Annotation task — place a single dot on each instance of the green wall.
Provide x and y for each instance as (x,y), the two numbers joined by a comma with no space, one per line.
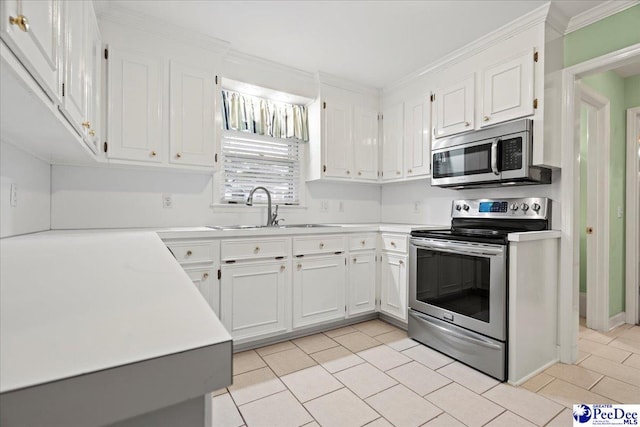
(607,35)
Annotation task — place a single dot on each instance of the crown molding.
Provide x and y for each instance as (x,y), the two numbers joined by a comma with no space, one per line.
(237,57)
(556,21)
(531,19)
(601,11)
(339,82)
(131,19)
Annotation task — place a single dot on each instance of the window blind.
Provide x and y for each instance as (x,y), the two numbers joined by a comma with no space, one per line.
(252,160)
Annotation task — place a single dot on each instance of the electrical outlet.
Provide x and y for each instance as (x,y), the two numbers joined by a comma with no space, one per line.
(417,207)
(167,200)
(340,206)
(324,205)
(14,195)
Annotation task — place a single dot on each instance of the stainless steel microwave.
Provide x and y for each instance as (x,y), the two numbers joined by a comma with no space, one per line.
(496,156)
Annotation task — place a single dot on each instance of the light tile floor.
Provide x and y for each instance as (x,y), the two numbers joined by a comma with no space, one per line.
(372,374)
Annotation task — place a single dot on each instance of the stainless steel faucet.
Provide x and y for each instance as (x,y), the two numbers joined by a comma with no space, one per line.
(271,216)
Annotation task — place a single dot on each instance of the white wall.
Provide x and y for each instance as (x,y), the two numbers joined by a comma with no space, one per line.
(33,179)
(100,197)
(398,199)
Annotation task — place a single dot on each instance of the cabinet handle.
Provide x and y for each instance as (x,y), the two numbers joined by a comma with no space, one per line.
(467,124)
(92,132)
(153,154)
(189,253)
(282,268)
(321,245)
(486,118)
(21,21)
(178,155)
(401,262)
(205,276)
(86,124)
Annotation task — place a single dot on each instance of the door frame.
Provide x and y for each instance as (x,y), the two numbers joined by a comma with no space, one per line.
(632,300)
(568,293)
(598,212)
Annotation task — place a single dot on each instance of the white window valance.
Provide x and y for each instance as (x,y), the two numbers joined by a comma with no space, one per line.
(246,113)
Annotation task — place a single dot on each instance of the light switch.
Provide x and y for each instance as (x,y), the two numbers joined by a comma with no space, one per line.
(14,195)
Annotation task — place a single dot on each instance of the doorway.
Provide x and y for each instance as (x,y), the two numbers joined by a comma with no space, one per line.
(594,116)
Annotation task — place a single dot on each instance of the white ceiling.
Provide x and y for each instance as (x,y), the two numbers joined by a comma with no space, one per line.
(371,42)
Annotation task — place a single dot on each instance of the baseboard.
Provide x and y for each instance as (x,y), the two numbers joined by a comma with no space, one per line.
(582,308)
(533,374)
(617,320)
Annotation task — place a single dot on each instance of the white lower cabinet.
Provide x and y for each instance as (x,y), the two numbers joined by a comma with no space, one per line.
(393,285)
(205,280)
(254,297)
(362,282)
(319,285)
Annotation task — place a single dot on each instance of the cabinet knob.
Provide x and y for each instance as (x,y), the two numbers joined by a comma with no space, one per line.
(153,154)
(178,155)
(205,276)
(257,249)
(393,244)
(348,172)
(401,262)
(92,132)
(321,245)
(86,124)
(398,172)
(359,173)
(355,260)
(467,124)
(282,268)
(362,243)
(189,253)
(21,21)
(486,118)
(299,266)
(410,171)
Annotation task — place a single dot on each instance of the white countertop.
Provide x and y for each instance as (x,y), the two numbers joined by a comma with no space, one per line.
(529,236)
(72,303)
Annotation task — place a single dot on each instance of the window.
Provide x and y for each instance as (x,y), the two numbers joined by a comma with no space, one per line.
(251,160)
(260,147)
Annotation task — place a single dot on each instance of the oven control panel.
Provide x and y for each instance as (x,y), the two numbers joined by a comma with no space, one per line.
(526,208)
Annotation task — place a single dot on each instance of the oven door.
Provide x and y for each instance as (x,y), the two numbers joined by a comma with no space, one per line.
(467,163)
(461,283)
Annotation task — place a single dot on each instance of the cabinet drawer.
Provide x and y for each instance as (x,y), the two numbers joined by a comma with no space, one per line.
(317,245)
(191,253)
(394,242)
(361,242)
(253,249)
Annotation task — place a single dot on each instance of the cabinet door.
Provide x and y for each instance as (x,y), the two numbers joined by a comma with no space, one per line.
(417,137)
(508,90)
(454,108)
(135,108)
(93,80)
(393,286)
(392,141)
(318,290)
(365,144)
(74,93)
(205,280)
(362,283)
(37,48)
(192,115)
(338,145)
(253,299)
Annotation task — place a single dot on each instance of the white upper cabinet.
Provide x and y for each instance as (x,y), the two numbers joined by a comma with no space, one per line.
(417,137)
(193,96)
(365,144)
(31,29)
(135,108)
(392,145)
(74,93)
(93,81)
(337,136)
(507,90)
(455,108)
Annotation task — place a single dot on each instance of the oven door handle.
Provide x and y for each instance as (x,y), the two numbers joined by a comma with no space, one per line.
(457,335)
(494,156)
(459,249)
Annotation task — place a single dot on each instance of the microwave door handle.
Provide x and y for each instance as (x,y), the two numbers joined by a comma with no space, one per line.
(494,156)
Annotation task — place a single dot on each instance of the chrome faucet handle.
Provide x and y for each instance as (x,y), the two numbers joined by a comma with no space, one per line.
(274,215)
(277,221)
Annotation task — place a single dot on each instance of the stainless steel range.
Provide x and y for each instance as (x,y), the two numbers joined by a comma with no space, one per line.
(458,279)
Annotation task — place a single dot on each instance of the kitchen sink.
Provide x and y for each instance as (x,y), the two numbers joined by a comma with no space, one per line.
(306,225)
(255,227)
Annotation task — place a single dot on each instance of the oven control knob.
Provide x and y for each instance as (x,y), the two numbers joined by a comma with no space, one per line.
(524,207)
(514,206)
(465,207)
(535,207)
(458,207)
